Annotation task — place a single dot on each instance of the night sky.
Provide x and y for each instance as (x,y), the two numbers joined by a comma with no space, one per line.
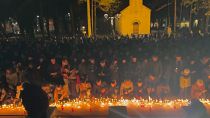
(25,11)
(17,8)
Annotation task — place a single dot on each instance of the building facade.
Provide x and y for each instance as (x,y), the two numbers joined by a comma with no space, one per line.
(134,19)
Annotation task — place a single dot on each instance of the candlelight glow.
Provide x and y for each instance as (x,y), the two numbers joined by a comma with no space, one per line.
(104,103)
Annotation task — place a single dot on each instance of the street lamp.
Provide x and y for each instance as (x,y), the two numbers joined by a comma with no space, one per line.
(107,17)
(83,30)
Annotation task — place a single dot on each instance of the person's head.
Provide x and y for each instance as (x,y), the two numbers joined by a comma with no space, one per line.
(115,61)
(205,59)
(41,60)
(59,87)
(123,61)
(103,63)
(199,83)
(186,72)
(134,59)
(64,61)
(151,77)
(92,60)
(145,60)
(178,58)
(53,60)
(8,71)
(209,76)
(139,83)
(98,82)
(192,62)
(83,60)
(114,83)
(30,65)
(155,58)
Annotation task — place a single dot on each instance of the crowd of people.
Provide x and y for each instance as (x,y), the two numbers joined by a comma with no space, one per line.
(74,67)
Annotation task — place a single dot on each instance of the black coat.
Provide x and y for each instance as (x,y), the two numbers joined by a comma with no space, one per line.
(35,101)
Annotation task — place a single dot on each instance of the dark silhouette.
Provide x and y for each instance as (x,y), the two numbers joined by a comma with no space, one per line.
(196,110)
(35,101)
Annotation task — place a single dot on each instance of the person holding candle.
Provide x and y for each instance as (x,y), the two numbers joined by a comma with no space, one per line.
(185,83)
(99,89)
(208,87)
(113,91)
(54,72)
(207,79)
(151,85)
(103,71)
(126,89)
(65,70)
(84,89)
(60,93)
(49,91)
(92,70)
(3,93)
(198,90)
(139,90)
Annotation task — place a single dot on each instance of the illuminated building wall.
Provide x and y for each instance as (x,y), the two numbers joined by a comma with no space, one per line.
(135,19)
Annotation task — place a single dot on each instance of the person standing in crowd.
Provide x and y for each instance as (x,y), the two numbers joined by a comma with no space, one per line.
(156,68)
(114,70)
(73,82)
(133,69)
(177,69)
(83,69)
(203,66)
(11,78)
(92,71)
(54,72)
(42,69)
(65,70)
(124,70)
(103,72)
(144,69)
(193,65)
(185,83)
(32,74)
(151,85)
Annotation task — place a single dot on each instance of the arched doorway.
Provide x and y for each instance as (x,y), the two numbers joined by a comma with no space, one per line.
(135,28)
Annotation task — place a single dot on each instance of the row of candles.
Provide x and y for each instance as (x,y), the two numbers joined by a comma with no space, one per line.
(104,103)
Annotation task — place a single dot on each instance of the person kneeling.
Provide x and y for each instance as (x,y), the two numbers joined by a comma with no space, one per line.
(60,93)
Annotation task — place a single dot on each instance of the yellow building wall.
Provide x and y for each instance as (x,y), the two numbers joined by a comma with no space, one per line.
(135,12)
